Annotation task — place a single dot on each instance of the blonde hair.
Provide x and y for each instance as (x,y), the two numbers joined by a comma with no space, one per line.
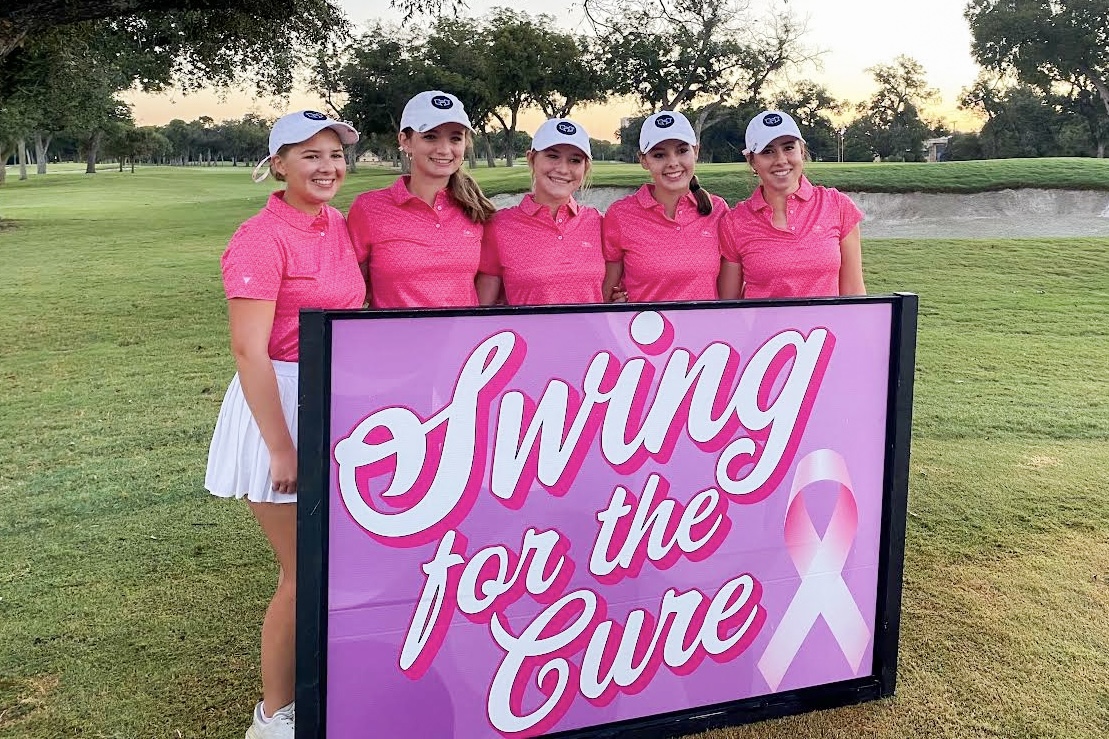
(279,155)
(467,192)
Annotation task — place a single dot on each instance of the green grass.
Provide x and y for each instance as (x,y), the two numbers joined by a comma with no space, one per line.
(734,181)
(130,600)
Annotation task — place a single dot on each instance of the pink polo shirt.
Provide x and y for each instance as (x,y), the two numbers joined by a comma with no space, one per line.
(664,259)
(421,256)
(799,262)
(296,260)
(544,259)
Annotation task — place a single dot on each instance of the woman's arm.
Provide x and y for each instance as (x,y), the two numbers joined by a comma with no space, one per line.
(251,322)
(851,264)
(488,288)
(614,274)
(730,280)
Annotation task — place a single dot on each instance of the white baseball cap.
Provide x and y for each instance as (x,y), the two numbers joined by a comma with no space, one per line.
(303,125)
(767,126)
(556,131)
(294,128)
(433,108)
(665,125)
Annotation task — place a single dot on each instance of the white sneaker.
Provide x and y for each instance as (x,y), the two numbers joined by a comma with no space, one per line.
(281,726)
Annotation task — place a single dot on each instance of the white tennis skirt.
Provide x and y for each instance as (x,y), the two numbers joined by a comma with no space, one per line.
(238,459)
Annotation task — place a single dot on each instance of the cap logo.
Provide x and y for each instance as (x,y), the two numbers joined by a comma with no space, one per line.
(664,121)
(442,102)
(771,119)
(567,128)
(313,115)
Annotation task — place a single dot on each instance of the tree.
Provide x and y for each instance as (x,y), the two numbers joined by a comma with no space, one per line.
(671,54)
(245,140)
(1049,45)
(572,74)
(149,43)
(128,143)
(604,150)
(890,122)
(497,66)
(1020,120)
(963,147)
(812,106)
(457,53)
(517,46)
(428,7)
(206,42)
(724,141)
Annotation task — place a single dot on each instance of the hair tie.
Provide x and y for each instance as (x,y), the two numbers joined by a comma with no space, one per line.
(264,163)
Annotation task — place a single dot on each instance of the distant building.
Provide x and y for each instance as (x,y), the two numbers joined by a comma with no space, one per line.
(936,149)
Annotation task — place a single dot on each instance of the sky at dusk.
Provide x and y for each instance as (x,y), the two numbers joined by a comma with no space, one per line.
(852,34)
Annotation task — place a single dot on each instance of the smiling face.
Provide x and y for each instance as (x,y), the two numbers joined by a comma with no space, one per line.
(436,153)
(557,172)
(672,164)
(781,164)
(312,170)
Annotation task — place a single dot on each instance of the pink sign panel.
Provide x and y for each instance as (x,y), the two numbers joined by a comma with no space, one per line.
(542,522)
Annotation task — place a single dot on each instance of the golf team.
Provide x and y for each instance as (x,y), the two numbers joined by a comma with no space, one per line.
(432,239)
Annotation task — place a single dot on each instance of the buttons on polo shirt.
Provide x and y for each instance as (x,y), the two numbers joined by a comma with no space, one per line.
(438,207)
(438,225)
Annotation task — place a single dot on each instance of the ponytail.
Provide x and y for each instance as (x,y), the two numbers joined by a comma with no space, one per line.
(701,195)
(468,194)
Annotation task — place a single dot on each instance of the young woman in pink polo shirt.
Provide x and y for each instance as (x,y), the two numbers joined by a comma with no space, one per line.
(295,253)
(547,249)
(790,239)
(423,234)
(662,241)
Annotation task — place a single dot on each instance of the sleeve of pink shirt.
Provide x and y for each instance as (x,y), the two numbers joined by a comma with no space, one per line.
(252,264)
(849,214)
(729,249)
(358,225)
(610,237)
(490,261)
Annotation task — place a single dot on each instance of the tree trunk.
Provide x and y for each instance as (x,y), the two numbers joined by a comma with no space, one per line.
(1102,86)
(490,155)
(22,159)
(509,130)
(94,148)
(41,147)
(509,154)
(1101,150)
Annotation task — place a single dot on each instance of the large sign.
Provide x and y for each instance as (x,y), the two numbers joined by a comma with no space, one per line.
(654,519)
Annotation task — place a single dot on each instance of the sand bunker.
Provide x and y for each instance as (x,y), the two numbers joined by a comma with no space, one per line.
(1023,213)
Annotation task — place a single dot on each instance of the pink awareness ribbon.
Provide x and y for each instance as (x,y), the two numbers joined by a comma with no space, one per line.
(819,562)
